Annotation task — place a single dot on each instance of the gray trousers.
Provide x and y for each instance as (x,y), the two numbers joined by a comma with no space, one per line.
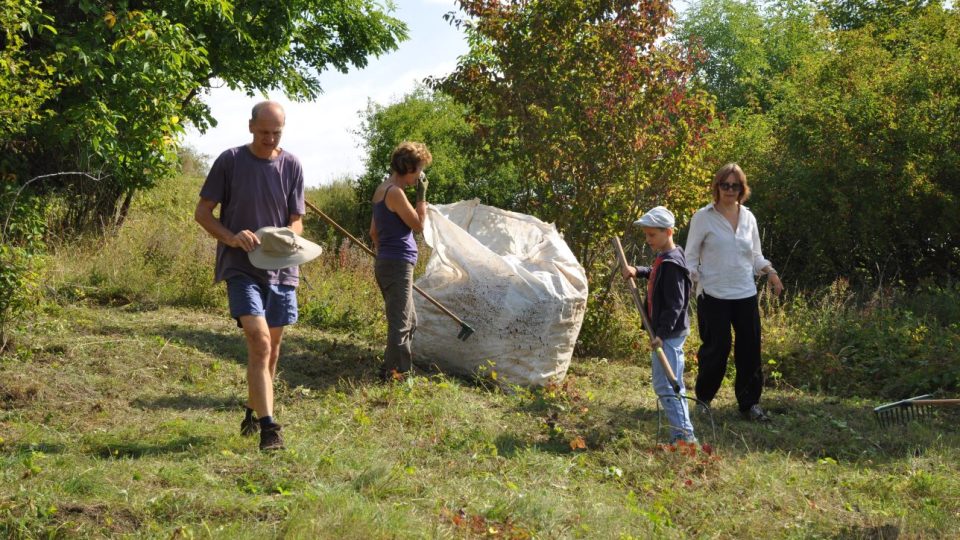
(395,279)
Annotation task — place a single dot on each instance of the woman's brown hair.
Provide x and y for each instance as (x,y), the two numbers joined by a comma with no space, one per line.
(723,174)
(409,156)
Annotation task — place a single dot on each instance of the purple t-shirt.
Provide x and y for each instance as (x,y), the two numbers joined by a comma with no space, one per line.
(254,193)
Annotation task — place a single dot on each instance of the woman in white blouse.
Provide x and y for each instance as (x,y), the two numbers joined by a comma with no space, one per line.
(723,252)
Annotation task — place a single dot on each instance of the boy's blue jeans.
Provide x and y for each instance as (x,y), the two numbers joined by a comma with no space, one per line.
(676,410)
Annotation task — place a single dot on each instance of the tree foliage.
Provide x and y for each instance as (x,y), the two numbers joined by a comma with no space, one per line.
(435,119)
(591,106)
(854,157)
(748,45)
(128,76)
(94,96)
(23,87)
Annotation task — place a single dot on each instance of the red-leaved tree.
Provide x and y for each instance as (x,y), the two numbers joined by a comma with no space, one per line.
(592,106)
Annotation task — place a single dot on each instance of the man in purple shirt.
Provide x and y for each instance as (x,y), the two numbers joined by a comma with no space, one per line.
(256,185)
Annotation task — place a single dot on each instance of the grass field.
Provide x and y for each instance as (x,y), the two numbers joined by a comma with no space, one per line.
(121,398)
(123,420)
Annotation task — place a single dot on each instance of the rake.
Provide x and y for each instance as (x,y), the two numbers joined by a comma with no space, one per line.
(465,329)
(917,408)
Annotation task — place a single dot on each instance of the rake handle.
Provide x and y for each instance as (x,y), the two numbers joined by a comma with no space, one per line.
(664,363)
(370,252)
(935,402)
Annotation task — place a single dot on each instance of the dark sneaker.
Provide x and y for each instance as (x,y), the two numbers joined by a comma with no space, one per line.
(249,426)
(755,414)
(270,438)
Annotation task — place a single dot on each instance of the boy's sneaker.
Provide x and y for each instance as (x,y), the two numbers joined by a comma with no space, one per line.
(249,426)
(270,438)
(688,439)
(755,414)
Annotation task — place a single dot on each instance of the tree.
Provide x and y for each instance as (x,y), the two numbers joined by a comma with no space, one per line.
(853,153)
(102,90)
(868,141)
(746,44)
(129,74)
(24,87)
(593,108)
(435,119)
(886,14)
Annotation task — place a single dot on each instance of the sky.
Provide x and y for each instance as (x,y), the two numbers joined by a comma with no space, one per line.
(320,133)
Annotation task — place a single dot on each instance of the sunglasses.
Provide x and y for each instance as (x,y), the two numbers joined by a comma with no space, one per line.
(730,186)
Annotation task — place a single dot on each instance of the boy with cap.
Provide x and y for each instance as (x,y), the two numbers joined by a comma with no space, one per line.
(668,296)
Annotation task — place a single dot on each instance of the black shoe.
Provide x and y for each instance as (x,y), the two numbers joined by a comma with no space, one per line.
(755,414)
(270,438)
(249,426)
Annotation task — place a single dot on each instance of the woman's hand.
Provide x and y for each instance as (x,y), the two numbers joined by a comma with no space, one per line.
(628,271)
(773,281)
(656,343)
(422,185)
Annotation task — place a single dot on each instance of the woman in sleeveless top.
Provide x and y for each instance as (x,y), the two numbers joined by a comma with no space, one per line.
(392,227)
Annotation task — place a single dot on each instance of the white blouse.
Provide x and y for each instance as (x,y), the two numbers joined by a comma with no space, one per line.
(724,262)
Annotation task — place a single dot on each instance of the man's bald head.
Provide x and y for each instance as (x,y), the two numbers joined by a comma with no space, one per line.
(267,108)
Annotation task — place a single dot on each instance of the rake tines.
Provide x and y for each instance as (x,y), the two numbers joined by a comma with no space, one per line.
(902,412)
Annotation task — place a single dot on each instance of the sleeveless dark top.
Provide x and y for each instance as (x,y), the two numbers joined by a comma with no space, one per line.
(395,239)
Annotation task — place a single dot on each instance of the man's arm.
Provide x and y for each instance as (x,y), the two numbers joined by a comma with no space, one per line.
(204,215)
(296,223)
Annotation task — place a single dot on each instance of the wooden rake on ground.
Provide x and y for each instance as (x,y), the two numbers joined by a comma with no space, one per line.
(664,363)
(465,329)
(919,408)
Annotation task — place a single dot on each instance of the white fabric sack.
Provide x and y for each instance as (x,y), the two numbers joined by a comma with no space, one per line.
(513,279)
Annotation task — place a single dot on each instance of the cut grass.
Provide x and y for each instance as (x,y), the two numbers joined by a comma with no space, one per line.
(125,421)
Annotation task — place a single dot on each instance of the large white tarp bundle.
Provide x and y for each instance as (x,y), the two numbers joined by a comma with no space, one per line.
(513,279)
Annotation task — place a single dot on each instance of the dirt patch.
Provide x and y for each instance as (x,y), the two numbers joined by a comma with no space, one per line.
(16,394)
(116,520)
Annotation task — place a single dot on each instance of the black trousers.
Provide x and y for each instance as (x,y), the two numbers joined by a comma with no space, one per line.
(715,317)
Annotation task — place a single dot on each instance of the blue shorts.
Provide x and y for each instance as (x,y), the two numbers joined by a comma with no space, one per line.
(276,303)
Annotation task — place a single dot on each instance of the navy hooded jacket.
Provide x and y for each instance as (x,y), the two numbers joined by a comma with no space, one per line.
(671,294)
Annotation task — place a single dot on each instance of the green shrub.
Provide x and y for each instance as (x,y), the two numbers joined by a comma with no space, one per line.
(338,292)
(611,326)
(159,256)
(22,227)
(339,202)
(878,346)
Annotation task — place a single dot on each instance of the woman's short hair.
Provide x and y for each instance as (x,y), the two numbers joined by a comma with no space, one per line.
(409,156)
(721,176)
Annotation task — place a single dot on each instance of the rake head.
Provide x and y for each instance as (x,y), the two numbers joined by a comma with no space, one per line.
(465,332)
(904,411)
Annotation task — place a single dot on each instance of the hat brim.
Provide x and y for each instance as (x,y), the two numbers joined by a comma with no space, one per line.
(307,253)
